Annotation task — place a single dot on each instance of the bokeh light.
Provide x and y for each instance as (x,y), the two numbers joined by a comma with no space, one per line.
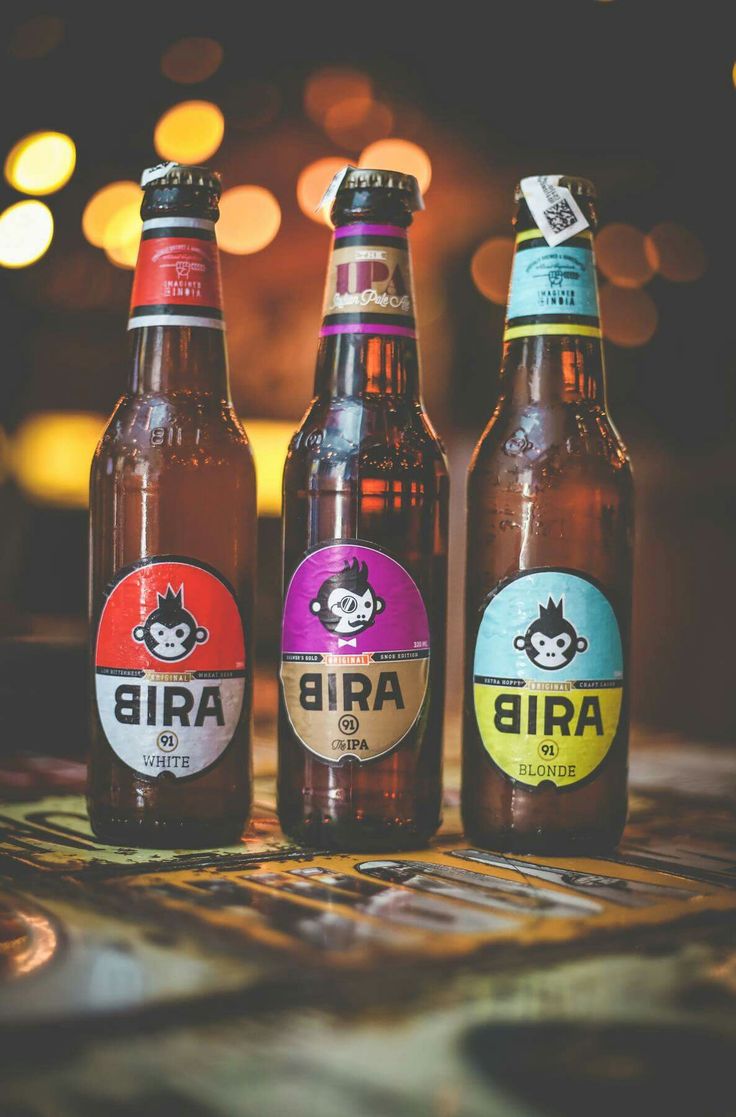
(622,256)
(357,121)
(191,60)
(628,315)
(189,132)
(41,162)
(36,38)
(269,439)
(312,183)
(105,205)
(399,155)
(26,231)
(122,236)
(675,252)
(51,454)
(491,268)
(329,86)
(250,218)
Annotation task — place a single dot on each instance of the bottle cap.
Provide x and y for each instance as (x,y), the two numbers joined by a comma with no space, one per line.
(369,178)
(179,174)
(578,187)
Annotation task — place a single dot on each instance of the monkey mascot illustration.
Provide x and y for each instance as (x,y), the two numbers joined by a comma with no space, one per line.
(551,641)
(346,604)
(169,631)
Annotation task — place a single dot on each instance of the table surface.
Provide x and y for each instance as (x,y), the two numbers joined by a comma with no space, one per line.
(266,979)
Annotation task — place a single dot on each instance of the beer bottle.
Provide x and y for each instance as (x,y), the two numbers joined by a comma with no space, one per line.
(172,541)
(549,561)
(365,552)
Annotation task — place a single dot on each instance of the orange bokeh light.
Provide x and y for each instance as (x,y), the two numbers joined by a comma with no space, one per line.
(491,268)
(312,183)
(622,257)
(250,218)
(325,88)
(628,316)
(191,60)
(399,155)
(357,121)
(189,132)
(675,252)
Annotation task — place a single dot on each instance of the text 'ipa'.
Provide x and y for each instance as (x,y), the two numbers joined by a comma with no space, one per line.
(365,552)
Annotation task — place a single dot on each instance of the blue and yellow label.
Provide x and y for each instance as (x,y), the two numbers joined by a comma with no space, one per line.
(548,677)
(553,290)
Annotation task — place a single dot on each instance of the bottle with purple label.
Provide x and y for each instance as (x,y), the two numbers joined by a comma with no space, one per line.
(365,552)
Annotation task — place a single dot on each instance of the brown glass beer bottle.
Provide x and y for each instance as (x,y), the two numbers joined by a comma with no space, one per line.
(549,562)
(173,542)
(365,552)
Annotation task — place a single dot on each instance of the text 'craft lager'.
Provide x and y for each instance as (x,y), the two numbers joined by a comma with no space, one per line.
(365,552)
(172,541)
(549,561)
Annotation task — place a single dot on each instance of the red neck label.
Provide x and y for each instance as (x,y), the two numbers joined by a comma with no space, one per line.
(177,277)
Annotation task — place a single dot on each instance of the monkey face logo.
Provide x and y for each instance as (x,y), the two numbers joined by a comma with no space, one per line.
(170,632)
(551,642)
(346,603)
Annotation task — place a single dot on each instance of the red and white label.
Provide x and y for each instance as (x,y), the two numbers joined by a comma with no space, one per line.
(177,277)
(170,667)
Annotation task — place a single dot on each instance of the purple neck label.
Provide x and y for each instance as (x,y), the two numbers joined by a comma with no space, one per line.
(355,652)
(369,286)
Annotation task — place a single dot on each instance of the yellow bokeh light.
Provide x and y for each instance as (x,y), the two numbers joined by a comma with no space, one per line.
(41,162)
(105,205)
(312,183)
(122,236)
(622,257)
(269,439)
(399,155)
(675,252)
(491,268)
(250,218)
(357,121)
(328,86)
(51,454)
(26,231)
(189,132)
(191,60)
(628,316)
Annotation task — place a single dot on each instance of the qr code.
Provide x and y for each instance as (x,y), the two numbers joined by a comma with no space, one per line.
(560,216)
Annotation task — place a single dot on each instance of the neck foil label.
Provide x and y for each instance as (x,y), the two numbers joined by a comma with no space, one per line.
(170,667)
(548,678)
(369,283)
(553,289)
(354,653)
(177,277)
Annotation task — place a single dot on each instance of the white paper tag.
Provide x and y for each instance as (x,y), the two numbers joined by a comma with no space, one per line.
(331,192)
(553,207)
(152,173)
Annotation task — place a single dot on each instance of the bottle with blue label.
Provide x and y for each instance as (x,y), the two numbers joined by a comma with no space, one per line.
(549,563)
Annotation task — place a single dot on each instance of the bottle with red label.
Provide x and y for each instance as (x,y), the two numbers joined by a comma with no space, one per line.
(173,550)
(365,552)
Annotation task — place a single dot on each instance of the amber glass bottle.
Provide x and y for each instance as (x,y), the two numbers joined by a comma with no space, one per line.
(365,553)
(549,568)
(172,543)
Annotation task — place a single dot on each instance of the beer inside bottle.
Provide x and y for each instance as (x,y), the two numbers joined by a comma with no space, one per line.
(549,561)
(365,553)
(172,542)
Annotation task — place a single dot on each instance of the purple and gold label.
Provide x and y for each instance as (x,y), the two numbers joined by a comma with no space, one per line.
(354,652)
(369,284)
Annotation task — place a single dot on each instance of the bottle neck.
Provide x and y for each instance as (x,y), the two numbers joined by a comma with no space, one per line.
(176,317)
(553,348)
(368,341)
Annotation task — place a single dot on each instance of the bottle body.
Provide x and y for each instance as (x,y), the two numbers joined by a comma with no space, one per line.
(365,566)
(172,568)
(548,598)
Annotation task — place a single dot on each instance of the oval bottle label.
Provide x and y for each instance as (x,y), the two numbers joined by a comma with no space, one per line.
(354,653)
(548,677)
(170,667)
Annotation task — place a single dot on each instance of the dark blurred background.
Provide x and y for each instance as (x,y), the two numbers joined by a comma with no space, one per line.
(640,98)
